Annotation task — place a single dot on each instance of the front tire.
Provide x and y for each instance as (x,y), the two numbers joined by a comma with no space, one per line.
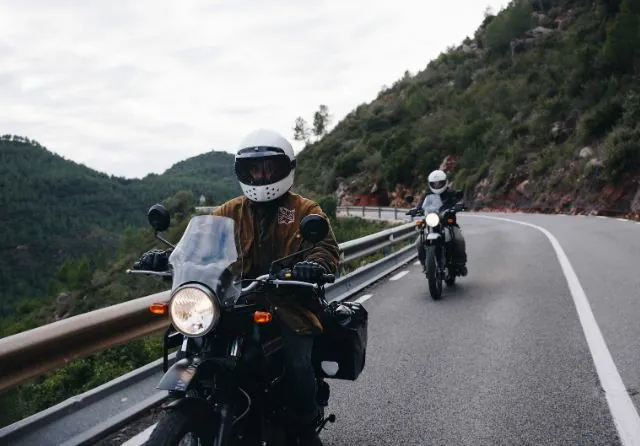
(176,427)
(434,278)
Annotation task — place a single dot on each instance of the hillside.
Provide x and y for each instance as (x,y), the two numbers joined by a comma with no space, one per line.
(53,209)
(539,109)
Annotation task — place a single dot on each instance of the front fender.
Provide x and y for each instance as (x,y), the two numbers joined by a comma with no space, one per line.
(186,370)
(179,375)
(432,238)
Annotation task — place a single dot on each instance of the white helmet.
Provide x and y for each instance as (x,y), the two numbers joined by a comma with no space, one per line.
(438,182)
(265,165)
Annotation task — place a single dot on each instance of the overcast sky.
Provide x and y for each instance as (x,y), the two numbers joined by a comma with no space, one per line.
(131,87)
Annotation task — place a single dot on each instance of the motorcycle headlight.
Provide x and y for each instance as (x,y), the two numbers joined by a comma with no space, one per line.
(194,310)
(433,220)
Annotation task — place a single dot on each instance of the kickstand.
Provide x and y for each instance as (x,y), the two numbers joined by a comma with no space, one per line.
(330,419)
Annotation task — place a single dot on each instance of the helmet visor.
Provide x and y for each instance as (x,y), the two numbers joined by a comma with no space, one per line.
(437,184)
(263,170)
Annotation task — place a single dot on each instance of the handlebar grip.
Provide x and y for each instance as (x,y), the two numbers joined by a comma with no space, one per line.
(328,278)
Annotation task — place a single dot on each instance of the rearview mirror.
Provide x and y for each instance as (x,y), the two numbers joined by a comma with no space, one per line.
(408,199)
(314,228)
(159,217)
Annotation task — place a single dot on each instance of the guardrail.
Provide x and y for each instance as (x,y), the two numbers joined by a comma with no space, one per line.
(29,354)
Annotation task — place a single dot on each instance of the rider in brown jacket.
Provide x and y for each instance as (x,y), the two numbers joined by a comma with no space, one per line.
(267,219)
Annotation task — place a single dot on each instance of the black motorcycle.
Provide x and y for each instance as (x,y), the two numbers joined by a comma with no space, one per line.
(226,385)
(436,234)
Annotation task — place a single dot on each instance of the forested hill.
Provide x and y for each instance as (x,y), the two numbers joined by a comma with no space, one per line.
(52,208)
(540,107)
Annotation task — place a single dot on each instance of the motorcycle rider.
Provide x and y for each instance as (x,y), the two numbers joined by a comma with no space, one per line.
(267,217)
(443,197)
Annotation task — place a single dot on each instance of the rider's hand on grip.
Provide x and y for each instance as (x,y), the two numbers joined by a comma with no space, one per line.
(308,271)
(153,260)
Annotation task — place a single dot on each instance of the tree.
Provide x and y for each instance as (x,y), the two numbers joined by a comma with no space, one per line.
(488,11)
(321,121)
(623,37)
(300,130)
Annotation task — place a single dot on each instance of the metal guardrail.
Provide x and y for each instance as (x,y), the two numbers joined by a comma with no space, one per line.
(30,354)
(205,209)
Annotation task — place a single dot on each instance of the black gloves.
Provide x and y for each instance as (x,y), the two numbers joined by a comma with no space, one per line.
(153,260)
(308,271)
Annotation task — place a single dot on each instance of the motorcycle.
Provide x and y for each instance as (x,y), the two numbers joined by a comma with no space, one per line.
(226,385)
(436,234)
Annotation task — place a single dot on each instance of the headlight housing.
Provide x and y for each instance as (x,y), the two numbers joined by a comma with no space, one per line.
(433,220)
(194,310)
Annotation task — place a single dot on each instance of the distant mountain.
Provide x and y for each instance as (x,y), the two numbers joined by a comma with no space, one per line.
(52,208)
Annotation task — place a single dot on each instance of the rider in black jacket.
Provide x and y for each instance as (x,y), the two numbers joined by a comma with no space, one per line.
(441,198)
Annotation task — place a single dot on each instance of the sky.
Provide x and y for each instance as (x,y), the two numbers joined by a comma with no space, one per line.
(130,88)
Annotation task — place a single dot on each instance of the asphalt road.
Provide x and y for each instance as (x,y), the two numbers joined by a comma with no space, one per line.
(503,358)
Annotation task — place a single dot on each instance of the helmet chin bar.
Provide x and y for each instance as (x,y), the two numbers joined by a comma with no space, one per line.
(270,192)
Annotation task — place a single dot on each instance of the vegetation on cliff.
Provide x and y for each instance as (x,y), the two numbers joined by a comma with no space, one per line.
(539,107)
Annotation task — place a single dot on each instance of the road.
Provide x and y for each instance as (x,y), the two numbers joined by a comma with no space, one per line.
(503,358)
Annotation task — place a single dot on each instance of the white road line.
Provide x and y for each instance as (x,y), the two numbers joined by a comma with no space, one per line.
(363,298)
(141,438)
(623,411)
(417,262)
(400,275)
(601,216)
(622,219)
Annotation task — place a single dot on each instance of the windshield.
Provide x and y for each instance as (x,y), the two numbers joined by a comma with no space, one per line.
(205,253)
(432,203)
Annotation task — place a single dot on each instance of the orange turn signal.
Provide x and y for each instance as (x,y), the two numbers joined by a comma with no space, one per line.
(262,317)
(159,308)
(450,220)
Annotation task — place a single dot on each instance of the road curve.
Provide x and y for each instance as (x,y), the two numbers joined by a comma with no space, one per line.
(501,359)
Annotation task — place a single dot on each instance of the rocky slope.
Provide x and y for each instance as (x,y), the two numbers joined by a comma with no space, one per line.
(538,110)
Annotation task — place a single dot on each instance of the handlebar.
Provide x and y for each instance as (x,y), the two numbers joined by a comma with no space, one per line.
(415,212)
(150,273)
(326,278)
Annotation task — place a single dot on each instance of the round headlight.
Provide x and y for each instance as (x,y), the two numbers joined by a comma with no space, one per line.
(433,220)
(194,310)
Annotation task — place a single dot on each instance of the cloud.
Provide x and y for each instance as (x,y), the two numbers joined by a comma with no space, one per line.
(130,88)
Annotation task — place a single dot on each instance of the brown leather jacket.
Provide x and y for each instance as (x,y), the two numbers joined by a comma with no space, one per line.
(269,231)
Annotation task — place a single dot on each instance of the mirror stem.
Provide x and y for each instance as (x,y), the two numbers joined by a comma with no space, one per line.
(163,240)
(297,253)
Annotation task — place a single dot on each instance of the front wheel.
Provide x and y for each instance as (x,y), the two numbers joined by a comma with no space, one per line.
(178,428)
(433,275)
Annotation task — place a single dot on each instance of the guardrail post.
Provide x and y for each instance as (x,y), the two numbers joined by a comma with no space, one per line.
(363,208)
(395,213)
(379,212)
(388,249)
